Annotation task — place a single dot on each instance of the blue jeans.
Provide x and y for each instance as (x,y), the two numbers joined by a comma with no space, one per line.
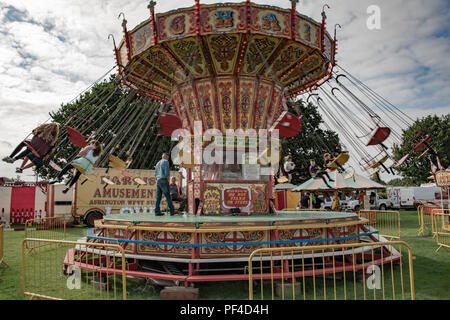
(162,187)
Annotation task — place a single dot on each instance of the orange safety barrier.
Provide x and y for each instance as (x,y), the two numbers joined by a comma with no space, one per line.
(353,271)
(46,228)
(426,220)
(2,247)
(385,221)
(441,227)
(70,270)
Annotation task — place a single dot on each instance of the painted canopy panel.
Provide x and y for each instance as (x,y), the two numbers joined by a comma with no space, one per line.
(231,65)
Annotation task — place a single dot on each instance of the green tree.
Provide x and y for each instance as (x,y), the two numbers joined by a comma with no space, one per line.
(416,170)
(399,182)
(123,121)
(312,141)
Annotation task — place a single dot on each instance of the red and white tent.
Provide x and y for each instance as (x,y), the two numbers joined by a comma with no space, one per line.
(21,202)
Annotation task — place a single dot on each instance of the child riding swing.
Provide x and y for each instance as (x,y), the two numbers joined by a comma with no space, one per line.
(316,171)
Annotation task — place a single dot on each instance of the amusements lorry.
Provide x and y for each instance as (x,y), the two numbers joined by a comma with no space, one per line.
(110,192)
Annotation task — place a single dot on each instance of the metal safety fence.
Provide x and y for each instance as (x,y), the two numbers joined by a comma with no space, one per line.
(441,227)
(419,212)
(58,269)
(358,271)
(385,221)
(51,228)
(426,221)
(2,245)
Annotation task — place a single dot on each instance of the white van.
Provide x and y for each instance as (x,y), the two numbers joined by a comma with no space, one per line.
(408,197)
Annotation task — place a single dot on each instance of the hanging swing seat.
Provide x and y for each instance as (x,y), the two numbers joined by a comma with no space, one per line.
(107,182)
(350,175)
(379,136)
(402,160)
(168,123)
(75,137)
(424,153)
(282,179)
(117,163)
(375,164)
(57,168)
(139,181)
(339,161)
(288,125)
(422,144)
(29,147)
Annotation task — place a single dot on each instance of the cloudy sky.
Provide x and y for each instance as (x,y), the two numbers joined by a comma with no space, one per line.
(51,50)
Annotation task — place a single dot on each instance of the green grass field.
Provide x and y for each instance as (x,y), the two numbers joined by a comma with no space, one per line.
(431,269)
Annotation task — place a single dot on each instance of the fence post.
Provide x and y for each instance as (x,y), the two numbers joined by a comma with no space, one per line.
(442,227)
(2,248)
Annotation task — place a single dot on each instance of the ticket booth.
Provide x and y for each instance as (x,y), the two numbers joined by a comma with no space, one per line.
(230,186)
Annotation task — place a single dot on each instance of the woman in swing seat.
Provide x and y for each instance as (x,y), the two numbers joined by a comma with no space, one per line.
(83,165)
(316,171)
(37,149)
(47,134)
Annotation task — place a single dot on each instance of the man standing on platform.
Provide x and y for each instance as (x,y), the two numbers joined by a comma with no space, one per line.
(162,174)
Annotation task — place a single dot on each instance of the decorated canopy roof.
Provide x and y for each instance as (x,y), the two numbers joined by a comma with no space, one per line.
(228,65)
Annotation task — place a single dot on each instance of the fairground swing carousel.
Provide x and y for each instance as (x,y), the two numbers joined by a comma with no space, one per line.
(225,67)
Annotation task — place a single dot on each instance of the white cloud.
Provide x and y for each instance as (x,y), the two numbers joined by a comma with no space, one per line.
(50,50)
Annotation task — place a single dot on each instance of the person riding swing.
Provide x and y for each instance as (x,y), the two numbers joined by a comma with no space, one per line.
(83,165)
(327,160)
(37,149)
(316,171)
(289,167)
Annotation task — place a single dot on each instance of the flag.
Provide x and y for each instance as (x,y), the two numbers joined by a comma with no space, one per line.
(433,167)
(439,164)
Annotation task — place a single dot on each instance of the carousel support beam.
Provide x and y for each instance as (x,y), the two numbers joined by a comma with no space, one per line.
(293,16)
(241,55)
(335,44)
(249,16)
(197,17)
(323,28)
(126,35)
(151,6)
(116,53)
(200,208)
